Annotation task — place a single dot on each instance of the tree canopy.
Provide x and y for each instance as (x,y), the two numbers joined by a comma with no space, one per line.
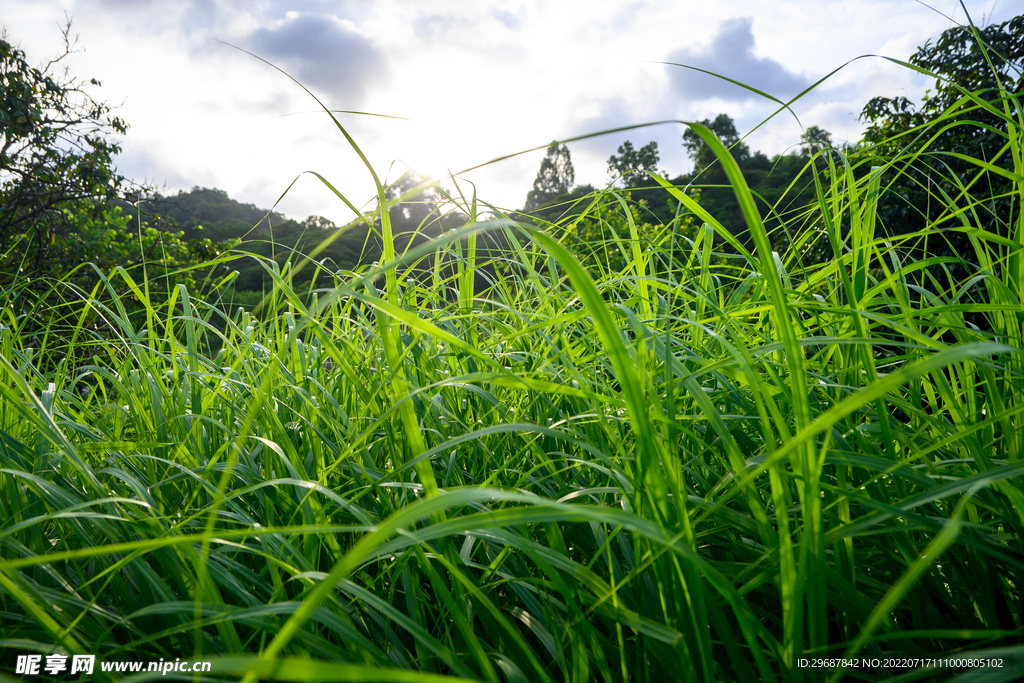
(412,214)
(941,139)
(725,128)
(64,206)
(815,139)
(555,177)
(57,148)
(633,165)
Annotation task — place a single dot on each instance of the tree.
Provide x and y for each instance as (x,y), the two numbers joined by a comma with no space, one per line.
(555,177)
(411,214)
(781,189)
(815,139)
(63,206)
(901,131)
(318,223)
(56,161)
(633,165)
(725,129)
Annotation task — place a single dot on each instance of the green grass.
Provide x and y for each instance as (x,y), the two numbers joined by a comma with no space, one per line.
(695,468)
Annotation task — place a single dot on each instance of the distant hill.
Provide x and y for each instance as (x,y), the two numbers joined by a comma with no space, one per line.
(209,213)
(205,212)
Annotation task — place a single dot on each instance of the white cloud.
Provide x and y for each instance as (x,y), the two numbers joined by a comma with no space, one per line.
(324,53)
(731,54)
(479,80)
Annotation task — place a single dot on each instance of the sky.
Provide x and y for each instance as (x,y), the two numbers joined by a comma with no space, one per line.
(211,90)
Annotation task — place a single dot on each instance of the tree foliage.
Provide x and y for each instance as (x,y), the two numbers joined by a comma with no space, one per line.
(555,177)
(815,139)
(602,238)
(725,128)
(148,253)
(71,239)
(56,159)
(416,210)
(977,70)
(780,186)
(208,213)
(633,165)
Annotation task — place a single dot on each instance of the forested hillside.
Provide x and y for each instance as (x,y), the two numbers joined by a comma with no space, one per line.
(782,186)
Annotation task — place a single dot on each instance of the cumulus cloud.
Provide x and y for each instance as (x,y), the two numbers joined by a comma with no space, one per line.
(436,27)
(324,53)
(731,53)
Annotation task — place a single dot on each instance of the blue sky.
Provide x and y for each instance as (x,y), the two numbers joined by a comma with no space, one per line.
(477,80)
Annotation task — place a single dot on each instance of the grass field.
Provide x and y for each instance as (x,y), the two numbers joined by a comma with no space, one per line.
(693,469)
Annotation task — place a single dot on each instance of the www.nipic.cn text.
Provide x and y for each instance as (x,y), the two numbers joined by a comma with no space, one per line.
(53,665)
